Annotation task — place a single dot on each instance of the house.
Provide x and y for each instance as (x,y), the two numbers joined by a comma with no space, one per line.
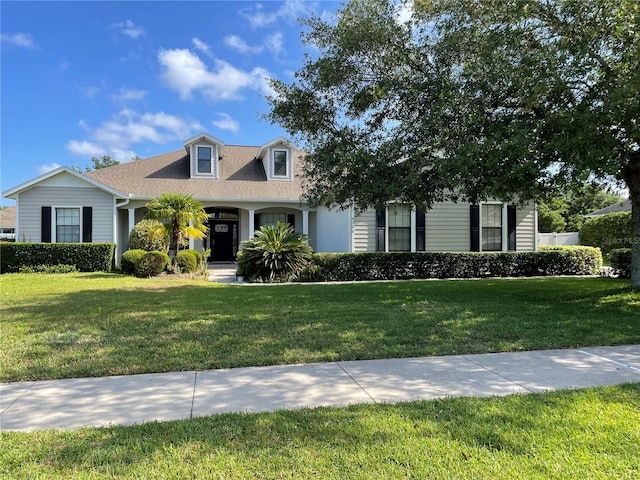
(243,188)
(7,224)
(624,206)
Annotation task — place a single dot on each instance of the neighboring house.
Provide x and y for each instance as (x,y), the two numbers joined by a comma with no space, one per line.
(243,188)
(624,206)
(8,224)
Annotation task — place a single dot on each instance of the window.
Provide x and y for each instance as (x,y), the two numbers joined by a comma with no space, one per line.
(272,219)
(399,228)
(67,225)
(205,157)
(280,163)
(491,228)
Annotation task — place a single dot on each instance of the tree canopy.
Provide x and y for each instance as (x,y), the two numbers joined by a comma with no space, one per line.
(467,100)
(103,162)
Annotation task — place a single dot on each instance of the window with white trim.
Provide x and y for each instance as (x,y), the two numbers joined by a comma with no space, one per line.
(67,225)
(271,219)
(399,228)
(205,159)
(281,163)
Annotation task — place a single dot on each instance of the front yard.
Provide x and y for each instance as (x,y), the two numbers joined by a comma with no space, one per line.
(61,326)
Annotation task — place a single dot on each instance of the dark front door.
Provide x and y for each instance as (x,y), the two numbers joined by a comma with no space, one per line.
(224,240)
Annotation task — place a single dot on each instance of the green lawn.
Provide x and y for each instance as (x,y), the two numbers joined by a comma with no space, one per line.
(582,434)
(60,326)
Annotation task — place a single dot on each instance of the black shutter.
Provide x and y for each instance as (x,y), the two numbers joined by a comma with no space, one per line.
(45,222)
(475,228)
(380,227)
(87,224)
(291,220)
(420,231)
(511,227)
(256,223)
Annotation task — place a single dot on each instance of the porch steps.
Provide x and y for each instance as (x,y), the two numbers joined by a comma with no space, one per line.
(222,272)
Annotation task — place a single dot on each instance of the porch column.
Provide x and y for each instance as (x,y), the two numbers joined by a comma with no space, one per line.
(505,228)
(252,227)
(132,219)
(192,241)
(413,229)
(305,222)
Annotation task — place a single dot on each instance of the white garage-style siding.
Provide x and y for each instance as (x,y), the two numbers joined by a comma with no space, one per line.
(526,227)
(364,232)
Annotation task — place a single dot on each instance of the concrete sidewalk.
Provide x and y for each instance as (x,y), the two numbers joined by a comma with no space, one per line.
(126,400)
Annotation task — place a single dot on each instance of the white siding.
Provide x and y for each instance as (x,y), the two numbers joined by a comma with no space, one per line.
(526,227)
(448,227)
(332,230)
(33,199)
(364,232)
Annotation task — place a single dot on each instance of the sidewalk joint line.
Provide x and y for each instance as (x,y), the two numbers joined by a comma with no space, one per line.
(497,374)
(356,382)
(19,397)
(193,395)
(609,360)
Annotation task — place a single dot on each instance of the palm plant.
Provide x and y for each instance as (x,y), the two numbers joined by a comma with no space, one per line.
(275,253)
(180,216)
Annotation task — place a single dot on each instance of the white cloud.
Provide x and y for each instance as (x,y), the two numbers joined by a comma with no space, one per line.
(89,91)
(275,42)
(24,40)
(237,43)
(185,72)
(202,46)
(42,169)
(127,94)
(115,137)
(227,123)
(129,29)
(289,11)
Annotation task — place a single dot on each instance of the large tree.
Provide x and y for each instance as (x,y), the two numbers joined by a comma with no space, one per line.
(469,99)
(180,216)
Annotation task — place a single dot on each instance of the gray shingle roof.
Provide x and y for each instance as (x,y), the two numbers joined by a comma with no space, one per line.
(624,206)
(242,176)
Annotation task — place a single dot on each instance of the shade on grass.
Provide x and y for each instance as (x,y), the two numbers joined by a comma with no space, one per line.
(59,326)
(591,433)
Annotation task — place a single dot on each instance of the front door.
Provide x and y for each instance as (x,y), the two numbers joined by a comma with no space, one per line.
(224,240)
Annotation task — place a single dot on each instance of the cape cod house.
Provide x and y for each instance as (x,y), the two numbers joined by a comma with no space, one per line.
(243,188)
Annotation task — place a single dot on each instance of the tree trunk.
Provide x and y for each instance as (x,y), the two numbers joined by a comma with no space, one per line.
(631,174)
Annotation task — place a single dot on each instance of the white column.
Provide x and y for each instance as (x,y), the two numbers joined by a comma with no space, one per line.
(252,227)
(132,218)
(192,241)
(413,229)
(386,229)
(305,222)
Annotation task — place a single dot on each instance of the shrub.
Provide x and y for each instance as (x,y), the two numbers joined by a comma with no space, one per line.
(49,269)
(392,266)
(187,261)
(150,236)
(86,257)
(130,259)
(152,264)
(275,254)
(621,262)
(607,231)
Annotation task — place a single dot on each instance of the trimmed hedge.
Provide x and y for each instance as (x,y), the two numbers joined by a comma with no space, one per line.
(86,257)
(621,262)
(607,232)
(423,265)
(130,259)
(142,238)
(187,261)
(152,264)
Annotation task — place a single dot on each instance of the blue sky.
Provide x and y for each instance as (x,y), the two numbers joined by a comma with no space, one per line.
(83,79)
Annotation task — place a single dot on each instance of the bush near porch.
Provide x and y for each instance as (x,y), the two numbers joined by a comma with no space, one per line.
(398,266)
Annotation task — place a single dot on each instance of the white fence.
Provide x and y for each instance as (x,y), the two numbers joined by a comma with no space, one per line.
(570,238)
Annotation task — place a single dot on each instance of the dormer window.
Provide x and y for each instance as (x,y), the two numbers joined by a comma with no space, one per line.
(205,159)
(280,163)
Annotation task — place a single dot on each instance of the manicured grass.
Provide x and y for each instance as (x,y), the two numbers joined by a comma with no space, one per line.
(591,433)
(59,326)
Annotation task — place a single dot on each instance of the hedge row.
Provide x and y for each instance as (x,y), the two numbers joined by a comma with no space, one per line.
(392,266)
(87,257)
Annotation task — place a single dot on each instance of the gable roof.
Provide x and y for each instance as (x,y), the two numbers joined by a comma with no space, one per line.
(12,192)
(624,206)
(241,176)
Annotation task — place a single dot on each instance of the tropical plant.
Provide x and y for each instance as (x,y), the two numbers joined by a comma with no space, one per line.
(275,254)
(180,216)
(144,236)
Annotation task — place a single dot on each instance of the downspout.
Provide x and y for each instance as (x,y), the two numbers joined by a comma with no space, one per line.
(116,206)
